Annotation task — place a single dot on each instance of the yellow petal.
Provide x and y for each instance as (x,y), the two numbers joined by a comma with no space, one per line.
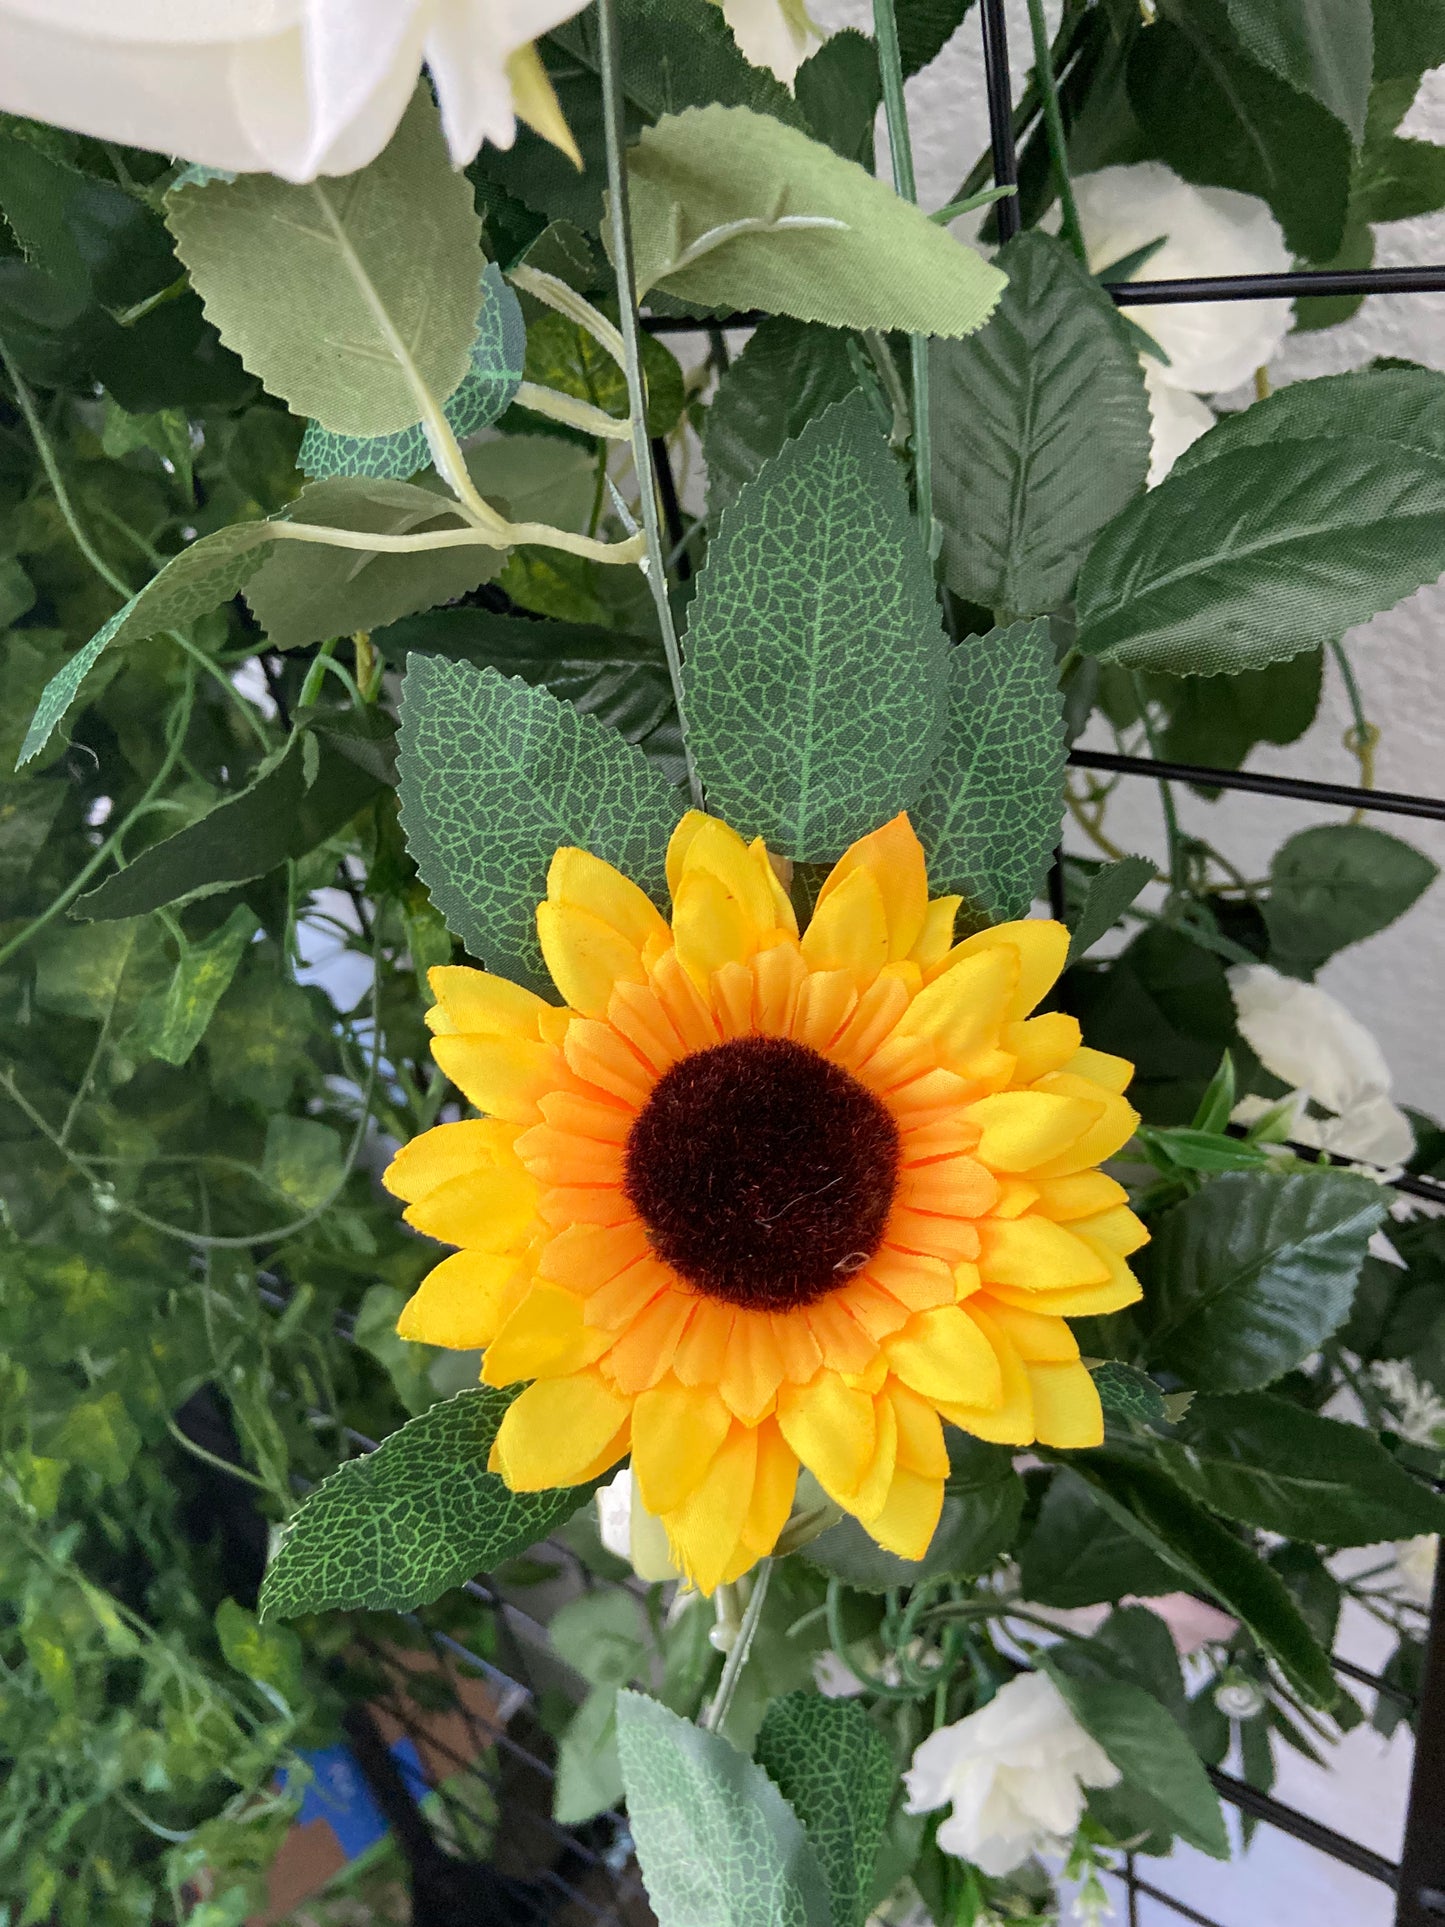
(554,1433)
(1035,1254)
(752,1368)
(1117,1230)
(475,1001)
(945,1356)
(872,1492)
(588,1256)
(832,1429)
(894,857)
(910,1514)
(785,918)
(850,930)
(920,1433)
(535,102)
(1081,1196)
(1111,1133)
(705,1528)
(587,958)
(1038,1338)
(677,1432)
(936,937)
(460,1301)
(1110,1073)
(1041,947)
(600,1057)
(775,1480)
(1012,1421)
(709,926)
(587,883)
(447,1151)
(490,1209)
(963,1011)
(825,1001)
(504,1076)
(1042,1044)
(543,1337)
(1024,1128)
(681,841)
(1118,1289)
(720,853)
(645,1350)
(1067,1413)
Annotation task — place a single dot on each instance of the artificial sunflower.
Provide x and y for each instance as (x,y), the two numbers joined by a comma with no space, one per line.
(754,1199)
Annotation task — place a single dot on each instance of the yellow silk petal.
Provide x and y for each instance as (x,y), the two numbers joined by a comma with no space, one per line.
(963,1012)
(445,1152)
(1024,1128)
(1038,1338)
(489,1209)
(721,853)
(832,1429)
(1111,1133)
(872,1492)
(1117,1230)
(586,957)
(585,882)
(850,930)
(1110,1073)
(1041,947)
(1067,1413)
(1082,1196)
(775,1480)
(1035,1254)
(709,927)
(474,1001)
(1042,1044)
(1012,1421)
(704,1530)
(935,939)
(542,1338)
(909,1517)
(554,1433)
(504,1076)
(894,857)
(920,1433)
(944,1355)
(460,1302)
(677,1432)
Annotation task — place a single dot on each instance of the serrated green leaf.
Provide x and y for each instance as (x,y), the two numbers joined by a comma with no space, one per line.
(602,1636)
(588,1779)
(563,355)
(992,806)
(389,255)
(1335,885)
(1268,1462)
(1322,48)
(415,1517)
(835,1769)
(1262,552)
(1127,1393)
(493,376)
(269,1655)
(171,1024)
(191,584)
(1248,1276)
(1109,895)
(679,53)
(309,591)
(718,1844)
(1397,407)
(495,778)
(839,89)
(815,650)
(870,261)
(1040,432)
(1078,1554)
(788,372)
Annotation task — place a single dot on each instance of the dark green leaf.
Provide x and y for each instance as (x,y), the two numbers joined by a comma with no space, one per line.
(816,692)
(839,90)
(680,53)
(991,809)
(1408,39)
(1110,894)
(1127,1393)
(1397,407)
(415,1517)
(495,778)
(925,27)
(1078,1554)
(1333,886)
(718,1844)
(1040,432)
(975,1529)
(835,1770)
(1217,720)
(1322,48)
(1268,1462)
(788,372)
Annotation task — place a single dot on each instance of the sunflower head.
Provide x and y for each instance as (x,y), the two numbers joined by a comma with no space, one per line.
(752,1198)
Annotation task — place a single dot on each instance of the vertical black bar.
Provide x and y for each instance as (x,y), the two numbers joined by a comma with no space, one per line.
(1000,115)
(1422,1864)
(1132,1887)
(1057,896)
(671,507)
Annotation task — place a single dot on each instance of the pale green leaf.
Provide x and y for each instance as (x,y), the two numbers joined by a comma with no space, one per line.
(302,1161)
(98,1433)
(353,297)
(603,1636)
(836,1771)
(734,210)
(816,659)
(588,1779)
(1040,432)
(269,1655)
(171,1024)
(991,809)
(495,778)
(718,1844)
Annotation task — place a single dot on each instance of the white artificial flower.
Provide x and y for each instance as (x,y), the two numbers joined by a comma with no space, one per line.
(771,33)
(1310,1041)
(1176,419)
(629,1531)
(1014,1772)
(835,1678)
(290,87)
(1417,1408)
(1238,1698)
(1415,1567)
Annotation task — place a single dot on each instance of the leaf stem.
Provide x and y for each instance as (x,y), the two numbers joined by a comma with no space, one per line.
(1054,127)
(715,1715)
(1166,793)
(1361,740)
(621,230)
(900,149)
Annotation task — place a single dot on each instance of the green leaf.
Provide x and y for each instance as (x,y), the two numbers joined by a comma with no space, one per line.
(925,27)
(1213,1561)
(1217,720)
(1152,1753)
(1397,407)
(1127,1393)
(1109,895)
(589,1777)
(78,972)
(1078,1554)
(1252,1273)
(99,1434)
(870,260)
(407,1364)
(487,389)
(171,1024)
(1408,40)
(281,815)
(302,1161)
(1322,48)
(1269,1462)
(93,240)
(974,1529)
(167,434)
(840,91)
(991,809)
(269,1655)
(563,355)
(191,584)
(602,1636)
(308,591)
(1262,552)
(495,778)
(415,1517)
(1335,885)
(835,1769)
(679,53)
(788,372)
(1040,432)
(538,479)
(815,649)
(390,256)
(718,1844)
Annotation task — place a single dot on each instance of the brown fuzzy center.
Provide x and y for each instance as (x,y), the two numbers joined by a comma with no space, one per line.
(763,1173)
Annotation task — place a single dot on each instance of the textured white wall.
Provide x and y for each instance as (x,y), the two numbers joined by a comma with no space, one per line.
(1393,982)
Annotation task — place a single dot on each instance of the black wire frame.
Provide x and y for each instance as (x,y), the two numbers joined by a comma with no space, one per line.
(1418,1879)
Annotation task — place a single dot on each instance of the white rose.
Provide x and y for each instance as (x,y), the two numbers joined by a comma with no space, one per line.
(629,1531)
(1176,419)
(1309,1040)
(290,87)
(1014,1772)
(771,33)
(1415,1566)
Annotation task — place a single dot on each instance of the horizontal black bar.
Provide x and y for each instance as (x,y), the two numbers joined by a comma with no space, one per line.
(1299,1826)
(1347,796)
(1264,287)
(1374,1681)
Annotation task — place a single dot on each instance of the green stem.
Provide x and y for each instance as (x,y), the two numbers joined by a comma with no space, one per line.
(619,222)
(1365,734)
(1166,794)
(1054,127)
(900,148)
(713,1718)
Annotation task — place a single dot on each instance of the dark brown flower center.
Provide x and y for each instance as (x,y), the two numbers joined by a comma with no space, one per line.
(763,1173)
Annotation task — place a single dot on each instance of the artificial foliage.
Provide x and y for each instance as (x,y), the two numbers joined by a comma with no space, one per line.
(441,709)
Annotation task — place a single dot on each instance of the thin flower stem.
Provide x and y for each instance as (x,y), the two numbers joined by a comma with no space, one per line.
(57,482)
(1166,793)
(1054,127)
(713,1718)
(1361,740)
(900,148)
(620,225)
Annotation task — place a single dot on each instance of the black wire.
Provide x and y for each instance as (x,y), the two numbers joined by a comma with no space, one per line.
(1000,116)
(1346,796)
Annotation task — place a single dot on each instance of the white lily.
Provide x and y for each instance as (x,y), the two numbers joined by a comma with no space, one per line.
(290,87)
(771,33)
